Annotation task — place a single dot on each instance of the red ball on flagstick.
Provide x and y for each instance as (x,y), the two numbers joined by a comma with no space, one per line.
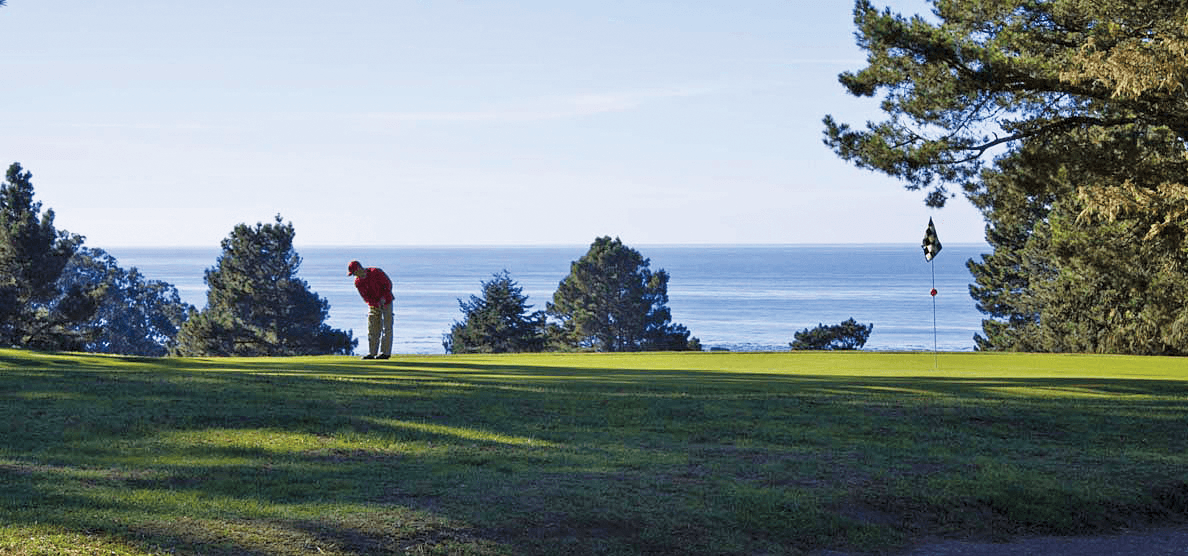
(933,292)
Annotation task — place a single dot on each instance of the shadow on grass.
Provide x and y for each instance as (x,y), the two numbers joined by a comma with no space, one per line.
(272,456)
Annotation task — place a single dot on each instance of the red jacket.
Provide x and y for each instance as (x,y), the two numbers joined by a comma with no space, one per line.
(376,288)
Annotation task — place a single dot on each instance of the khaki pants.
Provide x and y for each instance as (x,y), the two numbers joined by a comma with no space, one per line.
(379,329)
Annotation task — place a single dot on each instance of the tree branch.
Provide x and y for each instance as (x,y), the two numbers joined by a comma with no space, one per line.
(1055,127)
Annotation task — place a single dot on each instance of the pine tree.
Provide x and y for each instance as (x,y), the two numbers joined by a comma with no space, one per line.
(980,80)
(256,304)
(497,322)
(612,301)
(1063,277)
(1064,122)
(34,313)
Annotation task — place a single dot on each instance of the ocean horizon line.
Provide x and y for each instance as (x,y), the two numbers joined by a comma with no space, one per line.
(299,246)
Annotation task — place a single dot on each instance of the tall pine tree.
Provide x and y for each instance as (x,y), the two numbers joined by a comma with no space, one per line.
(612,301)
(1064,121)
(256,304)
(34,312)
(497,322)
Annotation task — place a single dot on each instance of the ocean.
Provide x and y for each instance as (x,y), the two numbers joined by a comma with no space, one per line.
(739,298)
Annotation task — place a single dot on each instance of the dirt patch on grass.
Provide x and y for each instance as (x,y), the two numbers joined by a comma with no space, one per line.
(1163,541)
(976,527)
(1166,541)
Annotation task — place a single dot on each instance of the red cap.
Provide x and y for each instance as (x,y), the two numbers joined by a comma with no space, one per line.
(351,268)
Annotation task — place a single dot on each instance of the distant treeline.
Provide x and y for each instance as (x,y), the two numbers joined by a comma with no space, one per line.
(58,294)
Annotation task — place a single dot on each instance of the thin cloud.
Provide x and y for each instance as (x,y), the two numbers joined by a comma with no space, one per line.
(142,126)
(846,62)
(555,108)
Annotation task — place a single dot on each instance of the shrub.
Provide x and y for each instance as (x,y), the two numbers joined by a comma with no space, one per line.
(847,335)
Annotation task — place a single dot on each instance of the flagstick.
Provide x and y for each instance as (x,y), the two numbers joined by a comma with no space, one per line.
(935,360)
(932,247)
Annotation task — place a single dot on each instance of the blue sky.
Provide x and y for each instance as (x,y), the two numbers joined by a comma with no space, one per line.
(452,122)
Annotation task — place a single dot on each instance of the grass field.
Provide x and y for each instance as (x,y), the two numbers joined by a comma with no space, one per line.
(696,453)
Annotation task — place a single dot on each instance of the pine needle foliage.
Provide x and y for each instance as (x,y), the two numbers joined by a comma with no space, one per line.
(1064,122)
(612,301)
(501,321)
(256,303)
(34,312)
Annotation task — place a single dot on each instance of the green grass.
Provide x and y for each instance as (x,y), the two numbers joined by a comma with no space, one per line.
(696,453)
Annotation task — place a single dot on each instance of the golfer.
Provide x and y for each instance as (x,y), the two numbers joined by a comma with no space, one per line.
(376,289)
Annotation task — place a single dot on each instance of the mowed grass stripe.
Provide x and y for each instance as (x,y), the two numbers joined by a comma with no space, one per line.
(659,453)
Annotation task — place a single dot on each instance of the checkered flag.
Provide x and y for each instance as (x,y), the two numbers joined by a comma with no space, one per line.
(932,244)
